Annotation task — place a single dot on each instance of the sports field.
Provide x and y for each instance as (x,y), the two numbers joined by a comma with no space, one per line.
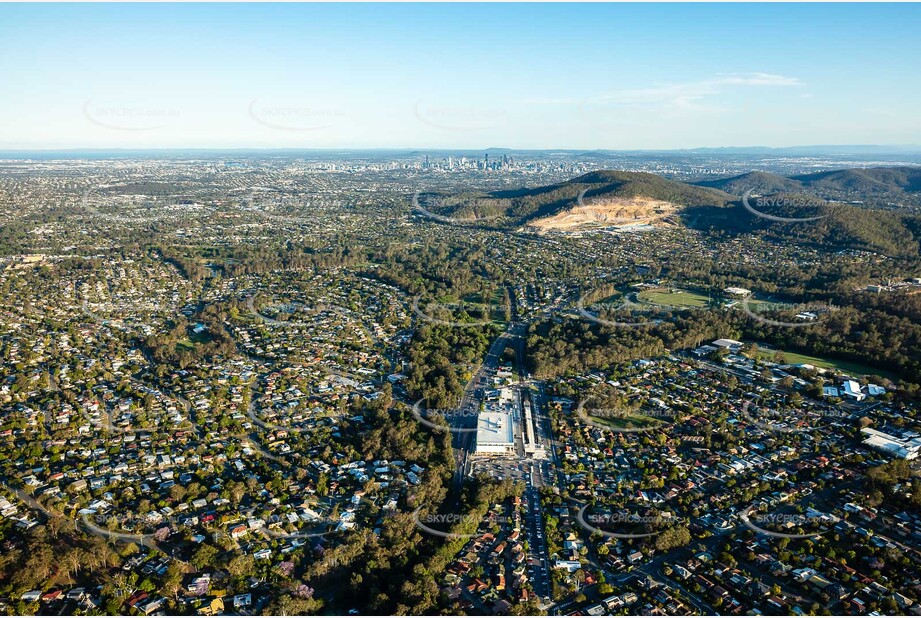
(673,298)
(635,420)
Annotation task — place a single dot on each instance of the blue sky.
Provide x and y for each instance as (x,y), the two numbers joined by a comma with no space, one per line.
(459,75)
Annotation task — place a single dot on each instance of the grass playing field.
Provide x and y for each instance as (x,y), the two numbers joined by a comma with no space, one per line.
(635,420)
(676,298)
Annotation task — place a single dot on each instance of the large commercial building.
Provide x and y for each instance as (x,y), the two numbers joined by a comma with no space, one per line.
(495,434)
(906,448)
(730,344)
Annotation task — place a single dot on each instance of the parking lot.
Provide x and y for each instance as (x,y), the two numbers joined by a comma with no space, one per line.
(501,469)
(539,557)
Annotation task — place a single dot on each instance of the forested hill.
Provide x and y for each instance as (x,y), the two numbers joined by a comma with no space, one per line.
(517,207)
(855,221)
(762,183)
(841,227)
(880,180)
(883,186)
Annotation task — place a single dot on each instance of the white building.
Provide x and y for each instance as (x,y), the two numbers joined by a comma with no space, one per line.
(730,344)
(904,448)
(875,390)
(852,389)
(570,566)
(738,292)
(495,434)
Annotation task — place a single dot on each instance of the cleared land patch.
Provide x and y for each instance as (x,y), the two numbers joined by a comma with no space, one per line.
(607,211)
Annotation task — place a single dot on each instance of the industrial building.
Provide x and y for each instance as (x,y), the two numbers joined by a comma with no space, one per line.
(905,447)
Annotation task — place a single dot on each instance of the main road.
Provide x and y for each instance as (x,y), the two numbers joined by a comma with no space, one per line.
(539,473)
(465,441)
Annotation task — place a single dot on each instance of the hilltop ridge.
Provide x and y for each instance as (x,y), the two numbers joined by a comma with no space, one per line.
(892,183)
(604,195)
(855,208)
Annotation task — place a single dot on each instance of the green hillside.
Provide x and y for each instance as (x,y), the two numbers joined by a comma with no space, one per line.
(844,226)
(877,180)
(517,207)
(762,183)
(877,186)
(858,225)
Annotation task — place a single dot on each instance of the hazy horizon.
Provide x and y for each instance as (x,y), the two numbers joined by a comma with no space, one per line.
(893,149)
